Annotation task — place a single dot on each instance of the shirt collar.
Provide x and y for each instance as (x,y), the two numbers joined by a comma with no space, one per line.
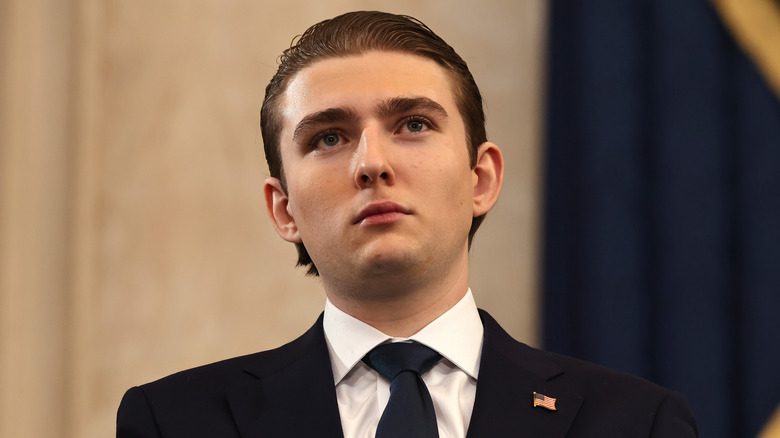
(456,335)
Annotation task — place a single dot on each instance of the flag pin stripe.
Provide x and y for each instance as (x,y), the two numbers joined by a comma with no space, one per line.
(544,401)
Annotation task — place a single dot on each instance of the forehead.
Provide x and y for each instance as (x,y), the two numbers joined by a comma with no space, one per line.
(360,81)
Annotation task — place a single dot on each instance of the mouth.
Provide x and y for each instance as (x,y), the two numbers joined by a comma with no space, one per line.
(380,213)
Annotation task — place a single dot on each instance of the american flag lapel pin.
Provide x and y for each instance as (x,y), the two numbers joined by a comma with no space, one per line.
(544,401)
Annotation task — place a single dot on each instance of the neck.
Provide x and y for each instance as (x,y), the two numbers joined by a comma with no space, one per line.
(402,308)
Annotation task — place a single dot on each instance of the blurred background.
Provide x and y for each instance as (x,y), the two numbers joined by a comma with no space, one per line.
(638,226)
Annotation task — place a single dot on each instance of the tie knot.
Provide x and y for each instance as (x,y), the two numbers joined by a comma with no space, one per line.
(391,359)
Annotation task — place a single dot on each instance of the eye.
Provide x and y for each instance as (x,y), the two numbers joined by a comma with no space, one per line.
(330,139)
(415,125)
(327,140)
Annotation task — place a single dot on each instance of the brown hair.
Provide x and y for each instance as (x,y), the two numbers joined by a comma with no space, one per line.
(356,33)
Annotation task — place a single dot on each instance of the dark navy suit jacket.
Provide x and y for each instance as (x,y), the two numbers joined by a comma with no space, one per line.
(289,392)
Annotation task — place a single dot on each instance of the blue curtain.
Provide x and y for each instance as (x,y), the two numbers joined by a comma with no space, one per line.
(662,205)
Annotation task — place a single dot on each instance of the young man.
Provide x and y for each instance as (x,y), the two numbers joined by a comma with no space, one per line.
(380,174)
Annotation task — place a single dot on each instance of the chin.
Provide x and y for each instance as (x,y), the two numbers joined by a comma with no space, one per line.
(389,263)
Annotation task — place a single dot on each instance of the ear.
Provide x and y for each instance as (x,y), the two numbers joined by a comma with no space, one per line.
(488,177)
(277,204)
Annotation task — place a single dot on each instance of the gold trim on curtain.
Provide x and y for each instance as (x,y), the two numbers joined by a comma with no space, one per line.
(756,26)
(772,428)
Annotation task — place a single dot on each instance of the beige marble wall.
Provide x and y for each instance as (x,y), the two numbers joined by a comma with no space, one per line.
(133,238)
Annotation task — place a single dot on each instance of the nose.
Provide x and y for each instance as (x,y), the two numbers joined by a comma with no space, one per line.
(372,160)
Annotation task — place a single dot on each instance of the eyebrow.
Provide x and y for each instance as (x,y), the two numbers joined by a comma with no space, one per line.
(324,117)
(398,105)
(395,105)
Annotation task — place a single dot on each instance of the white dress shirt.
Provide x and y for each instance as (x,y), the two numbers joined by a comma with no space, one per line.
(362,394)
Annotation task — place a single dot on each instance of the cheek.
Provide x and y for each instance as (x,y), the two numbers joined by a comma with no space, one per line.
(314,199)
(448,185)
(451,177)
(304,196)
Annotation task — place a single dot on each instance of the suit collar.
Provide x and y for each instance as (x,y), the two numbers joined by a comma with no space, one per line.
(291,392)
(457,335)
(510,372)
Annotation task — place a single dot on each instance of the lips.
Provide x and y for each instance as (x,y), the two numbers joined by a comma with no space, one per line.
(378,211)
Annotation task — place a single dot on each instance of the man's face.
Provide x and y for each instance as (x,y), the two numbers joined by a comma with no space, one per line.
(377,168)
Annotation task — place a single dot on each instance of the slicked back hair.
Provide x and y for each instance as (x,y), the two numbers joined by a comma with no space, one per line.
(357,33)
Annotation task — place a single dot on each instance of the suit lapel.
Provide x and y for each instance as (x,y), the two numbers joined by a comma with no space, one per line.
(291,393)
(510,372)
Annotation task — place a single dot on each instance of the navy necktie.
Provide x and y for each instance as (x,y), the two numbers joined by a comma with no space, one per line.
(409,412)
